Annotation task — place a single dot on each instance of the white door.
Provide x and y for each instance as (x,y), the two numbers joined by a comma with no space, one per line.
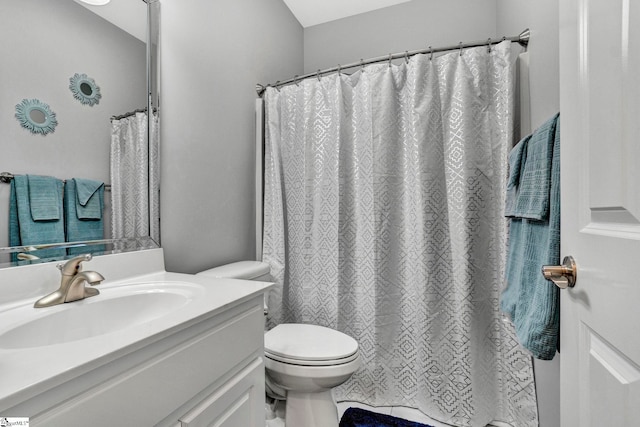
(600,140)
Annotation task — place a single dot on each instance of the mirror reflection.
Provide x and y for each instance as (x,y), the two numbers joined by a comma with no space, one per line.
(86,89)
(37,116)
(71,38)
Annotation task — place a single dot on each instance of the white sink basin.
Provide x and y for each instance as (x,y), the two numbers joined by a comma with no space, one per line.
(115,309)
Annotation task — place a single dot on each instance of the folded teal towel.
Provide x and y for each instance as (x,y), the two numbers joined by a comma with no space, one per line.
(84,202)
(530,182)
(89,198)
(14,223)
(44,198)
(517,157)
(533,303)
(31,220)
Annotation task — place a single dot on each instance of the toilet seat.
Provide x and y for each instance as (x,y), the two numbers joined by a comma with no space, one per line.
(301,362)
(309,345)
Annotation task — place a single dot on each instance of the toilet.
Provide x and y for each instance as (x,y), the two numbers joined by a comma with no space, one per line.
(303,363)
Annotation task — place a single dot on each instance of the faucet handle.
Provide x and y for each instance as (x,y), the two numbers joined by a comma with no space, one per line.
(72,266)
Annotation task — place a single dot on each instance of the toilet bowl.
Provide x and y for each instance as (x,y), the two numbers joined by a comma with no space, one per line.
(303,363)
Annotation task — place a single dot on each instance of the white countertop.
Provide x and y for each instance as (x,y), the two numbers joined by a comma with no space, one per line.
(26,372)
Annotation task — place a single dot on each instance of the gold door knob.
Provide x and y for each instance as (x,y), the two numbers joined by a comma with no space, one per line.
(564,276)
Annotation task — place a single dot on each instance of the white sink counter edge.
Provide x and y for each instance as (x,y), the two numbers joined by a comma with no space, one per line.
(26,372)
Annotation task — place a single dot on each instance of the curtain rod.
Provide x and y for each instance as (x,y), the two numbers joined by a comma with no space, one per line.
(522,39)
(6,178)
(130,113)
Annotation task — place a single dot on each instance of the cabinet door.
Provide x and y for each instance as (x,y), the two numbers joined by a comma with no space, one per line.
(238,402)
(164,376)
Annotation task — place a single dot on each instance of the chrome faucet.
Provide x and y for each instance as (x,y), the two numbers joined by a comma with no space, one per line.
(72,283)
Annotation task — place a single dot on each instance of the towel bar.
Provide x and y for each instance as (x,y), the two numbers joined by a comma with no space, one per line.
(6,178)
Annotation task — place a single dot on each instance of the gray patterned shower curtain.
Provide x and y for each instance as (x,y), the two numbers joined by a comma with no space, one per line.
(384,201)
(135,178)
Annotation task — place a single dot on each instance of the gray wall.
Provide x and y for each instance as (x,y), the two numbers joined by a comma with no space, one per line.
(407,26)
(44,43)
(213,54)
(541,17)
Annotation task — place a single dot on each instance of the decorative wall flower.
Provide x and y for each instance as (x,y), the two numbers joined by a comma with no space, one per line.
(85,89)
(36,116)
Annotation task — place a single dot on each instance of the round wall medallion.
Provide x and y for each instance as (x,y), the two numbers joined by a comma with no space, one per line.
(84,89)
(36,116)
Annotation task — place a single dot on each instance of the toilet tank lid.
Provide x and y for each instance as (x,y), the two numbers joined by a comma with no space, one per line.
(239,270)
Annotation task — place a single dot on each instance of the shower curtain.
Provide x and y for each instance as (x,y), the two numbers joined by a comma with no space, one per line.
(384,200)
(135,178)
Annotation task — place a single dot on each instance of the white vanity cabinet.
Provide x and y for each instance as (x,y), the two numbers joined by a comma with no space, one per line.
(198,364)
(233,404)
(210,372)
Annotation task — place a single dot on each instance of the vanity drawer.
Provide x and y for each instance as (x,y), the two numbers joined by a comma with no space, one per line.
(238,402)
(149,391)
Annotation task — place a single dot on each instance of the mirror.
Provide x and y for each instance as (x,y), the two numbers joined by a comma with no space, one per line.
(85,89)
(36,116)
(75,44)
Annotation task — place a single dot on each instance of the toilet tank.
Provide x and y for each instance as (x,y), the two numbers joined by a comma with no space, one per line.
(247,270)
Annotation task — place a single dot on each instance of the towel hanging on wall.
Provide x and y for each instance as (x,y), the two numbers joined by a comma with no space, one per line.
(533,204)
(84,202)
(35,213)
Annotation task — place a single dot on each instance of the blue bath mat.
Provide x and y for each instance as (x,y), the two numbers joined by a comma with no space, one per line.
(356,417)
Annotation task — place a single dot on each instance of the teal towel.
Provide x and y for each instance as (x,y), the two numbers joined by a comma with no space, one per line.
(517,157)
(44,198)
(35,213)
(533,303)
(84,202)
(89,198)
(14,224)
(530,182)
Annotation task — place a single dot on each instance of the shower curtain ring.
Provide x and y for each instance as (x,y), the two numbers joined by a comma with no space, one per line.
(295,80)
(406,56)
(389,60)
(460,48)
(489,45)
(318,74)
(339,69)
(362,63)
(277,85)
(431,55)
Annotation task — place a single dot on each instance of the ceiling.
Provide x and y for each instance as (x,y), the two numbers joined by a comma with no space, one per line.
(313,12)
(130,16)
